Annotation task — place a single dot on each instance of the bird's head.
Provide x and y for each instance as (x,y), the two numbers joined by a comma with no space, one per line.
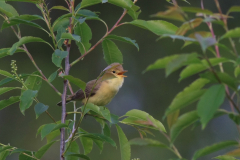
(115,69)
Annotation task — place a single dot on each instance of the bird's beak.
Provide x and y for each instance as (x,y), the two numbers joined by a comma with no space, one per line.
(121,73)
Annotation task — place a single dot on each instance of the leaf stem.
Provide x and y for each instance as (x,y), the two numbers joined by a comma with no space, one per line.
(175,150)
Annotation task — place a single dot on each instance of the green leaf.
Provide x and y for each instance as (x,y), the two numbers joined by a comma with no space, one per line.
(161,63)
(225,157)
(183,121)
(124,145)
(114,119)
(60,7)
(4,148)
(52,135)
(52,76)
(237,71)
(7,9)
(158,27)
(73,149)
(235,118)
(177,37)
(30,1)
(213,148)
(48,128)
(58,56)
(22,19)
(60,31)
(25,40)
(189,25)
(87,13)
(99,144)
(27,99)
(76,81)
(6,89)
(34,82)
(111,52)
(43,150)
(98,136)
(5,153)
(181,60)
(172,118)
(234,9)
(196,10)
(84,31)
(23,156)
(204,34)
(87,143)
(189,95)
(61,22)
(174,13)
(4,51)
(196,68)
(143,118)
(5,81)
(86,3)
(17,20)
(5,73)
(123,39)
(205,42)
(147,142)
(8,102)
(122,3)
(106,130)
(233,33)
(134,11)
(71,36)
(69,156)
(18,150)
(39,109)
(210,102)
(224,78)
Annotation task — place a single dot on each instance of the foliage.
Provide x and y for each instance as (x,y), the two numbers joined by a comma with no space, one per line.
(73,27)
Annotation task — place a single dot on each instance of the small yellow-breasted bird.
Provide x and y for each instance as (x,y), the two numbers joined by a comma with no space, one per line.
(106,87)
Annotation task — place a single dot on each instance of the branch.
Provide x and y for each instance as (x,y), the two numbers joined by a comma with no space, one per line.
(65,85)
(93,47)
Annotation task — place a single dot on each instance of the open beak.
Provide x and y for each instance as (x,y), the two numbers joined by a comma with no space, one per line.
(121,73)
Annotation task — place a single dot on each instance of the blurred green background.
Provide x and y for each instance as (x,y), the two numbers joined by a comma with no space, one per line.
(151,92)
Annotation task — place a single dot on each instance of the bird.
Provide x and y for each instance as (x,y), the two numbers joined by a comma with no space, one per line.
(106,87)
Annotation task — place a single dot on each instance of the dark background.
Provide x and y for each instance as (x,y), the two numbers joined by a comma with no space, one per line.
(151,92)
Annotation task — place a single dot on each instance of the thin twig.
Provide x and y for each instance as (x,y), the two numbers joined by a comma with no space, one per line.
(175,150)
(226,27)
(34,63)
(93,47)
(218,53)
(219,81)
(175,2)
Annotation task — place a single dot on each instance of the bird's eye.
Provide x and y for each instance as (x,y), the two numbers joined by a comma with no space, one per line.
(113,71)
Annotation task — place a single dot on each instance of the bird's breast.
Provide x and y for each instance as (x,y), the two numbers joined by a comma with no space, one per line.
(106,91)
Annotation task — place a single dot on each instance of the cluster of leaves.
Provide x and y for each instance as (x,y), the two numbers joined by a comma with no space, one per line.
(67,28)
(208,65)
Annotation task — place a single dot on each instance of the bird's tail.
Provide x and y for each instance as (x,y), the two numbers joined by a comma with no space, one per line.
(69,99)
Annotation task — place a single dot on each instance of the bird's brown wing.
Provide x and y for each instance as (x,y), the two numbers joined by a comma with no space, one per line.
(79,95)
